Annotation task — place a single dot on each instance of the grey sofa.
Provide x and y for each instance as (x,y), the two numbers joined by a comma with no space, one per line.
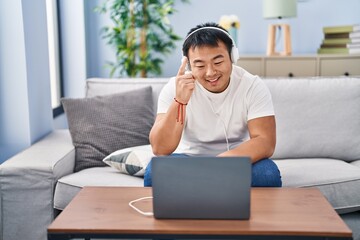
(318,145)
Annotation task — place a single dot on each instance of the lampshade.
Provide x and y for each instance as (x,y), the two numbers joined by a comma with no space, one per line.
(279,8)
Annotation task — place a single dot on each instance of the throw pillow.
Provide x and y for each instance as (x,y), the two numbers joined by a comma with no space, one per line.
(132,161)
(103,124)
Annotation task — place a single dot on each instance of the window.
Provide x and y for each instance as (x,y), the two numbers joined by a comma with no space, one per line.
(54,56)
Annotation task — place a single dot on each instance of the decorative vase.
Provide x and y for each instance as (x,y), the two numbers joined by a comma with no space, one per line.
(233,34)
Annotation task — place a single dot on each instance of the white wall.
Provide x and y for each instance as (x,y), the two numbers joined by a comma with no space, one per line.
(25,109)
(37,67)
(312,15)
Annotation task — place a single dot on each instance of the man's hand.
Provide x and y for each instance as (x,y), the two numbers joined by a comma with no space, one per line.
(185,83)
(166,133)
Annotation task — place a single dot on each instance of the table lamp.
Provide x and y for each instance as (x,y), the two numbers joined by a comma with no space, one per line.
(279,9)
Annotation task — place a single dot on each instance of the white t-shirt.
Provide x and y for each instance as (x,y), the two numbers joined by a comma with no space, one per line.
(213,118)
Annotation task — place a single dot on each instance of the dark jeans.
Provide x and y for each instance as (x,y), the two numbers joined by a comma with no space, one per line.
(265,173)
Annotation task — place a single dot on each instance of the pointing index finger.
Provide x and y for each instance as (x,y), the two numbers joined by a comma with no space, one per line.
(182,68)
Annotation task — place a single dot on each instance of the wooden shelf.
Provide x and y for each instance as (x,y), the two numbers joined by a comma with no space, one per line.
(301,65)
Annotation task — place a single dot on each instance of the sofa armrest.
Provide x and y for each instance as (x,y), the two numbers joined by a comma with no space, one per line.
(27,183)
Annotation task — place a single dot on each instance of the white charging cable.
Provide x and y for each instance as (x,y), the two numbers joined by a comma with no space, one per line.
(131,204)
(217,115)
(223,124)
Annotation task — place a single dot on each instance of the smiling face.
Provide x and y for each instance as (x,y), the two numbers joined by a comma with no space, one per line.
(211,66)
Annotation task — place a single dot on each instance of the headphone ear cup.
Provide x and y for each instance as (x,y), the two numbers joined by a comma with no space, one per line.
(234,54)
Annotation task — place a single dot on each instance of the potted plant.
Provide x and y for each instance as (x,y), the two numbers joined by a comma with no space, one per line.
(141,35)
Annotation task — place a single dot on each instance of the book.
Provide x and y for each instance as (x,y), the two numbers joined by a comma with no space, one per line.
(353,45)
(341,29)
(333,51)
(354,34)
(341,40)
(336,35)
(326,45)
(348,45)
(337,41)
(355,40)
(354,50)
(350,35)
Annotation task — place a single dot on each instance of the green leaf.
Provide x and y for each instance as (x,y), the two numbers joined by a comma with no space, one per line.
(124,36)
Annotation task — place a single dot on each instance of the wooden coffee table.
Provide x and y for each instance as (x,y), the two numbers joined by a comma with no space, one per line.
(276,213)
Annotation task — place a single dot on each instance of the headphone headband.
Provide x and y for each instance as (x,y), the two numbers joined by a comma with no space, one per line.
(215,28)
(234,50)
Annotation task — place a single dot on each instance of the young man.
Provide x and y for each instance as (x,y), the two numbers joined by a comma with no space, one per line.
(217,109)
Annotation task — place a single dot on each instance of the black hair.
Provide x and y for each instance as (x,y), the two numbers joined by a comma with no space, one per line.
(206,37)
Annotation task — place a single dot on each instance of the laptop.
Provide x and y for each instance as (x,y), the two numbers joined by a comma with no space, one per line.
(201,187)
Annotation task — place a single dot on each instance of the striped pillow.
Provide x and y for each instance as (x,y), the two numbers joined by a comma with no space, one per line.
(132,161)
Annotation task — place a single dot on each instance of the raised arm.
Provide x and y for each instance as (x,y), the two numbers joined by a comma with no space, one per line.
(166,133)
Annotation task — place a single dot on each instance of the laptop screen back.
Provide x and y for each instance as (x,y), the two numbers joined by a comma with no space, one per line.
(201,187)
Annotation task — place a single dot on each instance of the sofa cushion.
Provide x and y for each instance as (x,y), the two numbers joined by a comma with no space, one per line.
(317,117)
(103,124)
(131,161)
(105,86)
(339,181)
(356,163)
(68,186)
